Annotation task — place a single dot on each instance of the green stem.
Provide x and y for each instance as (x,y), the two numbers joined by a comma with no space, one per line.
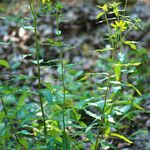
(110,33)
(125,7)
(107,88)
(62,76)
(34,14)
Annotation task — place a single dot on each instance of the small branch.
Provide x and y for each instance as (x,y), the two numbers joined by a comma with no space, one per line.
(62,79)
(125,7)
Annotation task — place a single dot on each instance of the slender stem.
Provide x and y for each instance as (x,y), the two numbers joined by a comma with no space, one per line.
(62,76)
(34,14)
(125,7)
(110,33)
(103,113)
(107,86)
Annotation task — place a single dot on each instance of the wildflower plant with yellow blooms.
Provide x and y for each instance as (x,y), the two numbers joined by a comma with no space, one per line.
(118,27)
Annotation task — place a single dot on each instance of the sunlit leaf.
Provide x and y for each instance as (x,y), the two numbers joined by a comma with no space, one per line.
(85,77)
(104,49)
(131,44)
(92,114)
(131,85)
(4,63)
(117,70)
(99,15)
(121,137)
(54,43)
(127,65)
(138,107)
(24,142)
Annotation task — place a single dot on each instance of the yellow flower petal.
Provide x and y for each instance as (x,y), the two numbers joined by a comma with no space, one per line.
(121,25)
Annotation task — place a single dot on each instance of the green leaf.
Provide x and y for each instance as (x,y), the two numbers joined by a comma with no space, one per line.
(85,77)
(131,44)
(2,115)
(117,70)
(24,142)
(47,95)
(28,27)
(127,65)
(90,136)
(54,43)
(99,15)
(116,11)
(81,123)
(25,132)
(131,85)
(116,88)
(4,63)
(92,114)
(121,137)
(103,88)
(122,110)
(91,126)
(115,82)
(138,107)
(104,7)
(104,49)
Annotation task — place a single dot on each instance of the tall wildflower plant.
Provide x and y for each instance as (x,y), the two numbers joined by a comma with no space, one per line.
(118,102)
(34,12)
(55,10)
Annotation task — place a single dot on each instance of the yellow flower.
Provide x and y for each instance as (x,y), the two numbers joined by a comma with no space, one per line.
(119,25)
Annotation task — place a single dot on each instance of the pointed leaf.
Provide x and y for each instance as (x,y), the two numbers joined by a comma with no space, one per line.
(121,137)
(131,85)
(99,15)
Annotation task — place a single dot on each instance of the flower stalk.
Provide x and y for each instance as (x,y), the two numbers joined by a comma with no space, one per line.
(34,14)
